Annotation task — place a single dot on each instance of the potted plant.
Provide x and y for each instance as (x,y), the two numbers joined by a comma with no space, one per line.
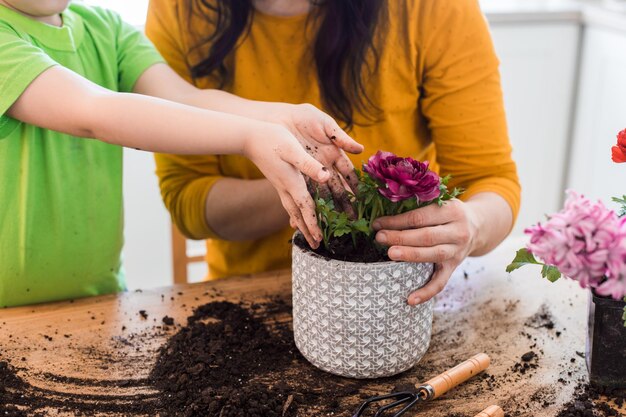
(587,242)
(350,311)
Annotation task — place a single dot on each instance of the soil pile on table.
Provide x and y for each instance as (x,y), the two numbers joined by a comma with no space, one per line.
(233,361)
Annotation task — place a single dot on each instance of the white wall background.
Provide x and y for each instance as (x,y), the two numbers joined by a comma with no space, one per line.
(548,60)
(600,114)
(538,67)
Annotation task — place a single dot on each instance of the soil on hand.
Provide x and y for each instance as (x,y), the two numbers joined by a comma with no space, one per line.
(344,249)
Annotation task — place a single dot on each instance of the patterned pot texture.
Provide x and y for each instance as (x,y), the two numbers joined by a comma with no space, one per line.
(352,319)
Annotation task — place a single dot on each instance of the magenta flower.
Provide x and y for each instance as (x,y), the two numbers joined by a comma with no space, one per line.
(586,242)
(403,178)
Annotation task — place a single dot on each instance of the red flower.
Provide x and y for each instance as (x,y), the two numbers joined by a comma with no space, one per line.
(618,152)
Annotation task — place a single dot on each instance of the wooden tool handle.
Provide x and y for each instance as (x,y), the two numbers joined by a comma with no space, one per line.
(444,382)
(491,411)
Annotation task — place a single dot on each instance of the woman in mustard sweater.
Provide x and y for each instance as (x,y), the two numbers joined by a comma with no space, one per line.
(415,77)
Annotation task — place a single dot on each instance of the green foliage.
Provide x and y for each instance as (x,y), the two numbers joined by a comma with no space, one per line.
(551,272)
(446,194)
(368,205)
(523,257)
(622,202)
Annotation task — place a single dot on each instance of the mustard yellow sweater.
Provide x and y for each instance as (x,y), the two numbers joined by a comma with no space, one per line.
(438,86)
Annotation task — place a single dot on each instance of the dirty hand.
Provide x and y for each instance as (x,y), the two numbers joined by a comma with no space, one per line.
(442,235)
(321,137)
(281,158)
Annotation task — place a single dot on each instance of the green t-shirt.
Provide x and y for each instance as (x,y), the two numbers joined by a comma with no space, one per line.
(61,211)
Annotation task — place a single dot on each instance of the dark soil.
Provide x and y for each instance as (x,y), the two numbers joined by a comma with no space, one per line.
(8,400)
(343,249)
(229,362)
(583,405)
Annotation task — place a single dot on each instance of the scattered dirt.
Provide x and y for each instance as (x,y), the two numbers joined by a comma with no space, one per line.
(239,359)
(543,318)
(585,403)
(9,382)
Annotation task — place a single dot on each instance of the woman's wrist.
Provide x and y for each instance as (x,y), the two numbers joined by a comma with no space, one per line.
(490,219)
(239,209)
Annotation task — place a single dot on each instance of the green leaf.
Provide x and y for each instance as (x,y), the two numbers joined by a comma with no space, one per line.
(361,225)
(340,231)
(620,200)
(522,257)
(550,272)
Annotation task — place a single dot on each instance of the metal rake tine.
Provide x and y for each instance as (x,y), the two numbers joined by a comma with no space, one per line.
(405,409)
(404,395)
(394,404)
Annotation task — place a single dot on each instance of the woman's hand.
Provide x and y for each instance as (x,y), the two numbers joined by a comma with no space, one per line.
(442,235)
(321,137)
(282,159)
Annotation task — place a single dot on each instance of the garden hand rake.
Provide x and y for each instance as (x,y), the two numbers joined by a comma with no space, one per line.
(432,389)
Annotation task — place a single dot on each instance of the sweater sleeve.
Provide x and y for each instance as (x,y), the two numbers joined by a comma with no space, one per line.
(185,180)
(163,28)
(462,99)
(185,183)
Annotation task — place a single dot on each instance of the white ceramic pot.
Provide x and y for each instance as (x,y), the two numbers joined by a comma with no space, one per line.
(352,319)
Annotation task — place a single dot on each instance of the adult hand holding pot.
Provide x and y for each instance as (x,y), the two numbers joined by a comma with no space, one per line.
(444,235)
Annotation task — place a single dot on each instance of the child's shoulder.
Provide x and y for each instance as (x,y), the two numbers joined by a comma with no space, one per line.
(96,14)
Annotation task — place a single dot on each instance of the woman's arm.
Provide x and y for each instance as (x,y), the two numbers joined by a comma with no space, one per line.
(61,100)
(261,213)
(462,101)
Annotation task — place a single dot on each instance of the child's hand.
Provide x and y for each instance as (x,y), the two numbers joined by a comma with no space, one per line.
(282,159)
(322,138)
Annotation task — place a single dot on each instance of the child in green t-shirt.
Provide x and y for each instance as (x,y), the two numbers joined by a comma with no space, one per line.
(68,73)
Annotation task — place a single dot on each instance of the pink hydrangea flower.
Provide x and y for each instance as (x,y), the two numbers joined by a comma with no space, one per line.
(587,242)
(615,284)
(403,178)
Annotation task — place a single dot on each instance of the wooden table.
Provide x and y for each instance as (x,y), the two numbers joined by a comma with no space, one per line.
(483,309)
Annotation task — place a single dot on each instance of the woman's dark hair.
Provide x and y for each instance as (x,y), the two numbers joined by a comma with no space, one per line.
(344,41)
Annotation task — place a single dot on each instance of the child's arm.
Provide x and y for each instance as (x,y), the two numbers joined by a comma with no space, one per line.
(61,100)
